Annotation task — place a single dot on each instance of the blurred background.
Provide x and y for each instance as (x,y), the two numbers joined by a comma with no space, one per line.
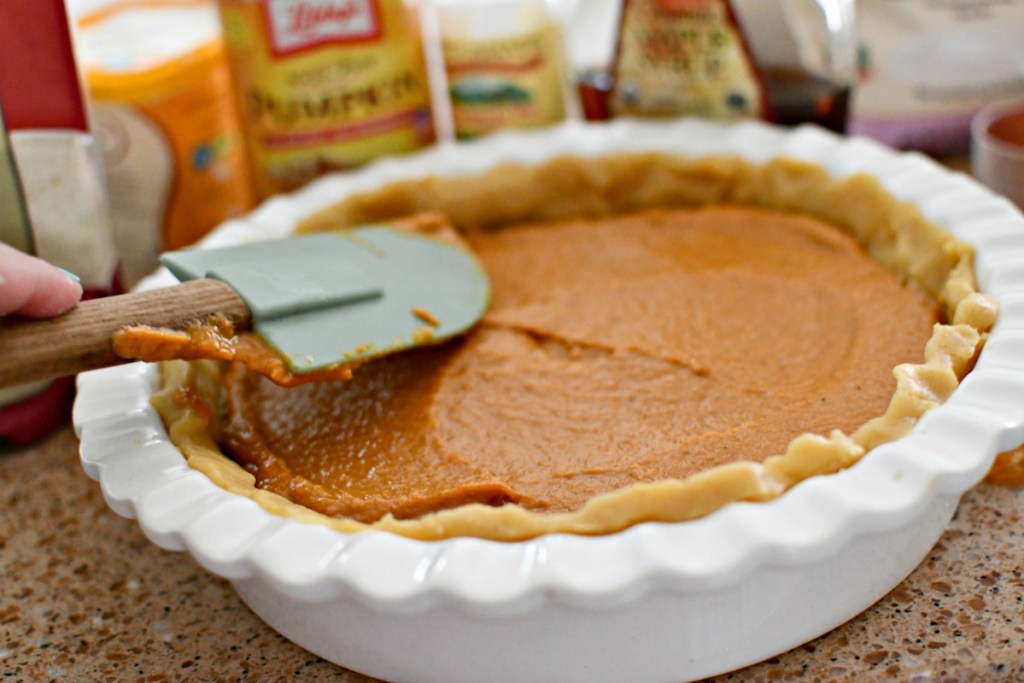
(130,127)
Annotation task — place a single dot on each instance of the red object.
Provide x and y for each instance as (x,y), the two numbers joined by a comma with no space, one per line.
(594,87)
(1009,128)
(40,89)
(37,416)
(39,82)
(298,26)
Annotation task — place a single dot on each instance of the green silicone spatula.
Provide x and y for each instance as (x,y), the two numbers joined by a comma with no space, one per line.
(317,300)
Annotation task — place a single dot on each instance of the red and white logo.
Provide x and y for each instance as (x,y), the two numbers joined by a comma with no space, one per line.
(299,24)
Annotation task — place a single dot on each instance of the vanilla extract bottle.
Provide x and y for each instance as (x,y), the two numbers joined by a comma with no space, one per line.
(786,61)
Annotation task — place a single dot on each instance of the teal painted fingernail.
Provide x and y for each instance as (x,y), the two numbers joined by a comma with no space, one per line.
(70,274)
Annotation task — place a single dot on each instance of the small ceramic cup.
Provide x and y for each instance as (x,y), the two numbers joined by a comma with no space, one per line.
(997,148)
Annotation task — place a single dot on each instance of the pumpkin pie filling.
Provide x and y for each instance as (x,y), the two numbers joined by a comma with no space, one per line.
(637,348)
(635,364)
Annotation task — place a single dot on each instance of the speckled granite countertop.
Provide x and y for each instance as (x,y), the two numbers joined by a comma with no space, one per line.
(85,597)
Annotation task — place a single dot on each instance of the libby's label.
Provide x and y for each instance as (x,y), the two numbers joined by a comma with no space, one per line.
(329,86)
(300,24)
(684,57)
(513,82)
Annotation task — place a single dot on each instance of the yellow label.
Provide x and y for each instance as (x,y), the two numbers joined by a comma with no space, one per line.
(683,57)
(513,82)
(326,84)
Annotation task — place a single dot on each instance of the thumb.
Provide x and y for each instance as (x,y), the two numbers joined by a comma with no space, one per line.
(33,288)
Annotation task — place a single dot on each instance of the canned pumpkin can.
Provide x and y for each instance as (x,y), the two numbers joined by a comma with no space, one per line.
(326,85)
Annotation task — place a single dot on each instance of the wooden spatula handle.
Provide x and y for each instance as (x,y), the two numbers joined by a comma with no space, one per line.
(32,350)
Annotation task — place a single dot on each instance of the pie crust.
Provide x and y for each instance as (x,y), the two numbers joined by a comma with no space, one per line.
(894,234)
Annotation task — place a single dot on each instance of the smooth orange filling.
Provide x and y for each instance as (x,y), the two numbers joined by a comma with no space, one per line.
(616,351)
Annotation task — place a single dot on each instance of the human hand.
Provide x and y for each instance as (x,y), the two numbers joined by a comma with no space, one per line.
(33,288)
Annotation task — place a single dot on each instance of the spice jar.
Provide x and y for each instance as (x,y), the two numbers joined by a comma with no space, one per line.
(503,63)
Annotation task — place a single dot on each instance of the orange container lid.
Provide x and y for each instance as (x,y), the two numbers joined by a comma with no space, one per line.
(134,49)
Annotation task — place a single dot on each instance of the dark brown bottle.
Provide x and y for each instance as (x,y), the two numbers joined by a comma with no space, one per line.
(797,97)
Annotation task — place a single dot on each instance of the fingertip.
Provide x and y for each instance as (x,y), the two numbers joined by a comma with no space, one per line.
(71,276)
(61,299)
(32,288)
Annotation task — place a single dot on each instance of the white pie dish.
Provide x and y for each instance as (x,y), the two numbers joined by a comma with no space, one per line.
(657,602)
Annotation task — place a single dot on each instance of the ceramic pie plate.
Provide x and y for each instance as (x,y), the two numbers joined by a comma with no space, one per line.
(657,602)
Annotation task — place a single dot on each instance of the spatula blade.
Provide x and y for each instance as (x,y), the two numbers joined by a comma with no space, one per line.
(323,299)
